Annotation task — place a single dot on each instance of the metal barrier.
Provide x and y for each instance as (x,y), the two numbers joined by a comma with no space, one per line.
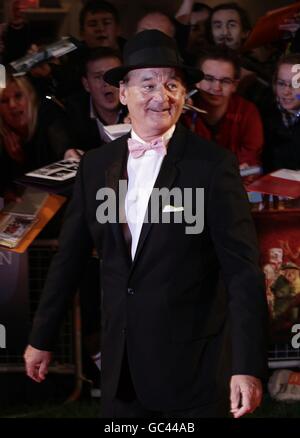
(67,354)
(283,356)
(277,224)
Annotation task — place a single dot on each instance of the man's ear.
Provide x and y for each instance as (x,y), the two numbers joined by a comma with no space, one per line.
(85,84)
(123,93)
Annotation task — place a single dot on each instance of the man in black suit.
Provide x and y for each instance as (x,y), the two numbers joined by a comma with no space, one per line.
(175,341)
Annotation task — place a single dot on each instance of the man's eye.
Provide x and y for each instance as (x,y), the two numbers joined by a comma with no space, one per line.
(107,22)
(233,25)
(148,87)
(172,86)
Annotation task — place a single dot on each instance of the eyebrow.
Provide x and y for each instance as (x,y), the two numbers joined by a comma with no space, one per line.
(98,72)
(153,77)
(222,77)
(220,21)
(147,78)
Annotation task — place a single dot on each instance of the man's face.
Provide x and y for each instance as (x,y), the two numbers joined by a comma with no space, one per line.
(100,30)
(14,106)
(156,21)
(104,96)
(286,94)
(226,28)
(154,97)
(197,31)
(219,82)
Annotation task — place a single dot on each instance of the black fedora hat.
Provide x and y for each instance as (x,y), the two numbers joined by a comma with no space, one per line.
(151,48)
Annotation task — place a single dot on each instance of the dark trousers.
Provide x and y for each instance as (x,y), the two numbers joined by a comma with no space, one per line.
(127,405)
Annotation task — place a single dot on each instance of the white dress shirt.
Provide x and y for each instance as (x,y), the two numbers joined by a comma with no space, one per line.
(142,173)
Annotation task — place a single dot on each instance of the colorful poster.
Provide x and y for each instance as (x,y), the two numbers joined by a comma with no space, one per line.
(279,240)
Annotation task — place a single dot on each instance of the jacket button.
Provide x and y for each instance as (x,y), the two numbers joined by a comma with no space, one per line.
(130,291)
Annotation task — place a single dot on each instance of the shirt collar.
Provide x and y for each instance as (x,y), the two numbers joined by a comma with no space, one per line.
(165,137)
(93,114)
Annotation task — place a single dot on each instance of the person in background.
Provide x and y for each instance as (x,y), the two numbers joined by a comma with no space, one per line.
(282,118)
(32,131)
(231,121)
(157,20)
(100,25)
(228,25)
(89,110)
(15,34)
(194,14)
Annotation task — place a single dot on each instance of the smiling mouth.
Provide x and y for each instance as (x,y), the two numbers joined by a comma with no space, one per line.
(162,111)
(214,96)
(225,40)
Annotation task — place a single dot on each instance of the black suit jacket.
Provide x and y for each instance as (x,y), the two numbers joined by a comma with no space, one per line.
(281,150)
(83,130)
(185,334)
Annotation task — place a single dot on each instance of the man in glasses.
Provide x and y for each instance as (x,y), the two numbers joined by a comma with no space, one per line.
(230,120)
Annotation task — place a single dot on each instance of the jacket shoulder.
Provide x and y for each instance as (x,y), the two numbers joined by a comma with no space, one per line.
(106,154)
(203,149)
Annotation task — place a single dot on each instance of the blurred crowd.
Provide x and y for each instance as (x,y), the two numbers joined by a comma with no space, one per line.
(58,108)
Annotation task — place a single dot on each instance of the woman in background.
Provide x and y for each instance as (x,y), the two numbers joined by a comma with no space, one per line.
(282,121)
(32,132)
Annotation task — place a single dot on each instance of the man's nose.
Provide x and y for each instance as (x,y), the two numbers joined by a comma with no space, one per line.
(217,85)
(99,26)
(225,30)
(161,94)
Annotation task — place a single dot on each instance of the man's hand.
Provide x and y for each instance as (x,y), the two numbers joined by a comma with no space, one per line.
(245,394)
(36,363)
(74,154)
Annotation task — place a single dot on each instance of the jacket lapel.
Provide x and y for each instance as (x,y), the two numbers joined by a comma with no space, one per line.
(114,173)
(165,178)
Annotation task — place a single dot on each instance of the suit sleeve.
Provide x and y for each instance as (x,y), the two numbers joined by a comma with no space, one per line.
(75,246)
(234,237)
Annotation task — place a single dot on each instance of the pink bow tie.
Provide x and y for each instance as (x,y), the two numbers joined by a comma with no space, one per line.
(137,149)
